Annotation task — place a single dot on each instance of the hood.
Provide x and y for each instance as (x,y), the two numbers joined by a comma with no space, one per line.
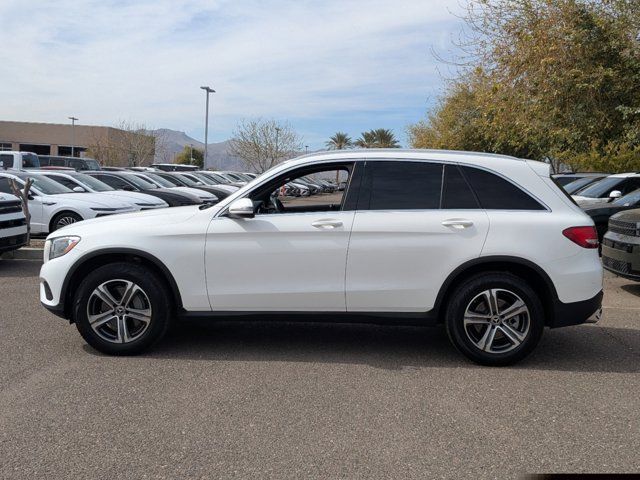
(135,197)
(90,199)
(583,201)
(129,222)
(630,216)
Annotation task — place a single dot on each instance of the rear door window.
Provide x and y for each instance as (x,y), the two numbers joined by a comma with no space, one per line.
(456,192)
(398,185)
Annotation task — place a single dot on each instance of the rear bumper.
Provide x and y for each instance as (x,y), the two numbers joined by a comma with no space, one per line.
(576,313)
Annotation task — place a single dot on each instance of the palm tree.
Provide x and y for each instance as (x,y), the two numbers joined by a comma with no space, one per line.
(384,138)
(339,141)
(366,140)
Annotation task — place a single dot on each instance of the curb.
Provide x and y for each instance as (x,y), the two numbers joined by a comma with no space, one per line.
(25,253)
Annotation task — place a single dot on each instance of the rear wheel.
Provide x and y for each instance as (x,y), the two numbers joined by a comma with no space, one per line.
(495,319)
(122,309)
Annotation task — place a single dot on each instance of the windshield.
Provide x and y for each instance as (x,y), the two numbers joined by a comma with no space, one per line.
(92,183)
(91,164)
(602,188)
(44,184)
(30,160)
(205,178)
(629,200)
(189,181)
(140,182)
(161,180)
(579,184)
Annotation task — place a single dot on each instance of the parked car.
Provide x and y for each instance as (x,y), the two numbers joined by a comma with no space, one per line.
(608,189)
(621,245)
(174,167)
(210,181)
(485,244)
(184,179)
(18,160)
(573,188)
(79,182)
(600,213)
(53,206)
(13,225)
(563,179)
(202,194)
(218,179)
(230,178)
(78,164)
(129,182)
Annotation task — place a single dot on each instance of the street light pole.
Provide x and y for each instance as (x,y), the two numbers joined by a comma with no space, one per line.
(191,161)
(206,122)
(73,135)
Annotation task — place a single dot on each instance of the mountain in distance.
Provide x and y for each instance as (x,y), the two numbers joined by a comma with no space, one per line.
(171,142)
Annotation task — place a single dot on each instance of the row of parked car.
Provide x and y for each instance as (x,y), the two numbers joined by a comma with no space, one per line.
(61,195)
(613,202)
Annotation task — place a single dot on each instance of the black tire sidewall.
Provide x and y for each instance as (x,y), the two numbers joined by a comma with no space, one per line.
(475,285)
(152,285)
(57,218)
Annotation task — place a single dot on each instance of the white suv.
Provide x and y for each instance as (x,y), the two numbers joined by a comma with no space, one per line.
(486,244)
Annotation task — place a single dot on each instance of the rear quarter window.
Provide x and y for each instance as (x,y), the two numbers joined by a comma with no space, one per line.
(496,193)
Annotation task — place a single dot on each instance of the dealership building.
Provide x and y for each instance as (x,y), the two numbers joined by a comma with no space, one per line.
(111,146)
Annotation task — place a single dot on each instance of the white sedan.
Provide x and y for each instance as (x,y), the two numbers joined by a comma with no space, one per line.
(53,206)
(81,182)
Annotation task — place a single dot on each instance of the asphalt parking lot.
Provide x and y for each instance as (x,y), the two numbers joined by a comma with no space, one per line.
(250,400)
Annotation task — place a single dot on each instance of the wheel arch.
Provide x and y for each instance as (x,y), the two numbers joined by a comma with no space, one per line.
(98,258)
(525,269)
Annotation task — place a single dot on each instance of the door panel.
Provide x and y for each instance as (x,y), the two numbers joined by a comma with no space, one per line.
(278,262)
(37,222)
(398,260)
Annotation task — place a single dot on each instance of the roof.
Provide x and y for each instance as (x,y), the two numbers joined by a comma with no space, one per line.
(407,152)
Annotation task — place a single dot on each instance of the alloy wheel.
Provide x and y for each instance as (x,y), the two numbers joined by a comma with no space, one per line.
(497,320)
(119,311)
(64,221)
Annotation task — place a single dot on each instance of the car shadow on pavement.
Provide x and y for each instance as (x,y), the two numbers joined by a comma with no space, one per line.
(19,268)
(578,349)
(632,288)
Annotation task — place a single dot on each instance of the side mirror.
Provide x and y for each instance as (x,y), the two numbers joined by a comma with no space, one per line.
(78,189)
(241,208)
(615,194)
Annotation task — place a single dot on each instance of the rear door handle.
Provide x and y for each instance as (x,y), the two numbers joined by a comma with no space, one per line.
(327,224)
(458,223)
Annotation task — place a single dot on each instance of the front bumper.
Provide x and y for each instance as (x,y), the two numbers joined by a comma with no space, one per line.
(12,242)
(621,255)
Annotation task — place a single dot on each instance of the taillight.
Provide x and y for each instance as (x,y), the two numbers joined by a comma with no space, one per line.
(586,237)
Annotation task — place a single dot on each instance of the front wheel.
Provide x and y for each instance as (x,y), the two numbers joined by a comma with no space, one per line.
(495,319)
(63,219)
(122,309)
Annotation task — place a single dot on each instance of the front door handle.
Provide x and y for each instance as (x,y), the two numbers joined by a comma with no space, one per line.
(327,224)
(458,223)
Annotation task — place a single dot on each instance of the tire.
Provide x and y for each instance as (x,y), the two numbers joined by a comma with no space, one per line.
(485,334)
(63,219)
(116,325)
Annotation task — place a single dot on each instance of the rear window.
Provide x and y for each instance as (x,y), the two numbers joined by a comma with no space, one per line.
(30,160)
(496,193)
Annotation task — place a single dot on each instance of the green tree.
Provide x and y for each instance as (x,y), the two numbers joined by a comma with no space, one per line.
(339,141)
(184,157)
(546,79)
(379,138)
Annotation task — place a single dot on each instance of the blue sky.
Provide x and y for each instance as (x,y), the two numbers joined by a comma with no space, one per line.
(323,66)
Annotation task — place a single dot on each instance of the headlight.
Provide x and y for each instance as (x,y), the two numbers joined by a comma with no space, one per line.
(60,246)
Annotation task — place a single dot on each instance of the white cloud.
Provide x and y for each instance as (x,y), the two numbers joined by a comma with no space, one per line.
(106,60)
